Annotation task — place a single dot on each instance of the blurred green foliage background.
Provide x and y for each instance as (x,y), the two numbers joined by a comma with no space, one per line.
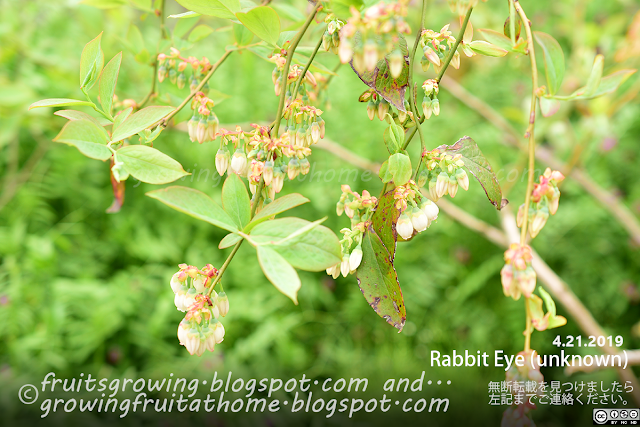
(82,290)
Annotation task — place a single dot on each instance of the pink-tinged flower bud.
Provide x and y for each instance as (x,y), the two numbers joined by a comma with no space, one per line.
(455,61)
(527,281)
(300,137)
(355,258)
(267,172)
(223,304)
(344,265)
(404,227)
(181,81)
(442,185)
(430,209)
(293,168)
(275,74)
(557,176)
(345,51)
(419,220)
(202,347)
(209,339)
(192,342)
(212,126)
(201,130)
(278,179)
(553,203)
(383,108)
(371,109)
(370,55)
(198,283)
(452,187)
(402,116)
(349,211)
(218,331)
(463,179)
(315,132)
(539,220)
(183,330)
(432,56)
(396,63)
(321,124)
(433,190)
(222,161)
(339,208)
(435,104)
(162,73)
(506,276)
(189,298)
(277,87)
(520,216)
(427,108)
(238,162)
(305,166)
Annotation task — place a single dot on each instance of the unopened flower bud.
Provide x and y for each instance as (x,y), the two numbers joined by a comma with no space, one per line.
(212,126)
(370,55)
(383,108)
(419,220)
(453,187)
(182,81)
(442,187)
(238,162)
(293,168)
(527,281)
(344,265)
(427,108)
(305,166)
(355,258)
(455,61)
(222,161)
(209,339)
(422,178)
(396,62)
(201,130)
(539,220)
(320,122)
(463,179)
(358,62)
(173,76)
(198,283)
(432,56)
(205,88)
(371,109)
(315,132)
(223,304)
(218,331)
(192,127)
(267,172)
(506,276)
(433,190)
(192,341)
(520,216)
(345,51)
(162,73)
(183,330)
(435,104)
(404,227)
(176,281)
(278,179)
(327,40)
(553,203)
(430,209)
(193,84)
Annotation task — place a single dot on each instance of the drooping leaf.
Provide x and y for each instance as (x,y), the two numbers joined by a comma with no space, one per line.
(235,200)
(317,249)
(607,85)
(380,79)
(549,106)
(496,39)
(107,84)
(80,115)
(384,221)
(393,137)
(59,102)
(487,49)
(262,21)
(397,169)
(479,167)
(279,272)
(279,205)
(220,8)
(554,319)
(88,137)
(200,32)
(139,121)
(91,63)
(229,240)
(150,165)
(196,204)
(378,281)
(121,117)
(553,60)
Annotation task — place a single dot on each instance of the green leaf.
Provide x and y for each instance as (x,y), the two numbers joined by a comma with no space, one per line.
(607,85)
(121,117)
(135,41)
(595,77)
(262,21)
(235,200)
(196,204)
(279,272)
(487,49)
(479,167)
(91,63)
(189,14)
(220,8)
(140,121)
(183,26)
(341,8)
(378,281)
(59,102)
(398,169)
(315,249)
(200,32)
(289,12)
(279,205)
(88,137)
(242,35)
(496,39)
(150,165)
(549,106)
(107,84)
(394,137)
(384,221)
(553,60)
(105,4)
(229,240)
(80,115)
(554,320)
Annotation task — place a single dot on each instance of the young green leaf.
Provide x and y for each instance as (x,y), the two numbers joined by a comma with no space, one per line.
(242,35)
(196,204)
(88,137)
(200,32)
(384,221)
(496,39)
(235,200)
(80,115)
(479,167)
(262,21)
(140,121)
(121,117)
(607,85)
(398,169)
(279,205)
(554,320)
(91,63)
(279,272)
(59,102)
(487,49)
(393,138)
(342,8)
(378,281)
(189,14)
(549,106)
(182,27)
(107,84)
(553,60)
(316,249)
(229,240)
(220,8)
(150,165)
(595,77)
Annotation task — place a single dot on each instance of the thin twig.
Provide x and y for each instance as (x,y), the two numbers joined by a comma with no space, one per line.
(294,94)
(154,78)
(412,88)
(452,52)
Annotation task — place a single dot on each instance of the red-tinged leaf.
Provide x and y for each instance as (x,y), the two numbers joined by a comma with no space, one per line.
(118,192)
(549,106)
(384,221)
(378,281)
(479,167)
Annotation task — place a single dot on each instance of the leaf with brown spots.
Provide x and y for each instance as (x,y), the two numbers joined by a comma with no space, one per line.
(384,222)
(378,281)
